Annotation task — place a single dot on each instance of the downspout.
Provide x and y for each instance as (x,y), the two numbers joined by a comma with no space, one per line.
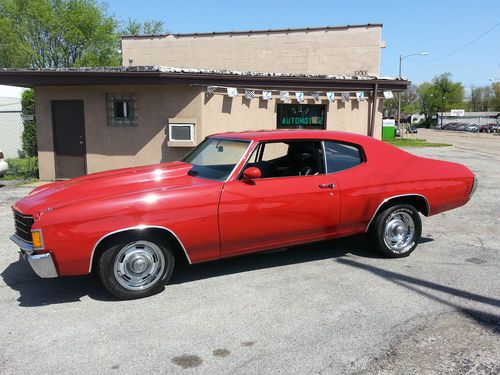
(371,128)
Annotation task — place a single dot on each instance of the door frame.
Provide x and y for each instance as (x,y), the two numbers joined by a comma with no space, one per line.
(54,138)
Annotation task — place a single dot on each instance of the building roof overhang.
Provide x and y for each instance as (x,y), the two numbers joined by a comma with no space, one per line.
(152,75)
(254,32)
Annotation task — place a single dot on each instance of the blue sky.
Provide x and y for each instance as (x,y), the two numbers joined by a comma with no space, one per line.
(438,27)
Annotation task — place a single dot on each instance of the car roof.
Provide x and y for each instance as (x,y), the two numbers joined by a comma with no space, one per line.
(267,135)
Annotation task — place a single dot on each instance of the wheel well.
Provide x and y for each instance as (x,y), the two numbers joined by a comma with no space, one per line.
(417,201)
(164,235)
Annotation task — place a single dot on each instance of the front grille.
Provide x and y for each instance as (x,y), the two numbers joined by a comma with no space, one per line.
(23,226)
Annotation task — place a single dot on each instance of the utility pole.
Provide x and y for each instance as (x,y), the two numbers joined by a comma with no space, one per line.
(401,58)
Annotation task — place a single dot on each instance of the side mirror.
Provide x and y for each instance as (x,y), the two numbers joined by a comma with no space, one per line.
(251,174)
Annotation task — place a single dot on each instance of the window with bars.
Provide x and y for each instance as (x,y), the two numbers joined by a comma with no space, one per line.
(121,109)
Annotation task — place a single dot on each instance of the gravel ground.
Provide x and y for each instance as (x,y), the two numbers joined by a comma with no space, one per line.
(331,308)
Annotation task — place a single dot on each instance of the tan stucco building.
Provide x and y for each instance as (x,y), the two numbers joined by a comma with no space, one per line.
(94,119)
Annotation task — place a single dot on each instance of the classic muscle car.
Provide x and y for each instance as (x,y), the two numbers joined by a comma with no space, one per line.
(233,194)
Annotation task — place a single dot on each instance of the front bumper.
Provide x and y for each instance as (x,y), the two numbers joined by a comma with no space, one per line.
(42,264)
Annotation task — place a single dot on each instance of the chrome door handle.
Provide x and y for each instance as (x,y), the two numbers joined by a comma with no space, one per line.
(326,186)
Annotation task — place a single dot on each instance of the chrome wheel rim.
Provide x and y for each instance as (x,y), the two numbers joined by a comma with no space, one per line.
(399,232)
(139,265)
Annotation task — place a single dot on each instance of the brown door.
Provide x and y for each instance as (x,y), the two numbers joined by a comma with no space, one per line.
(69,138)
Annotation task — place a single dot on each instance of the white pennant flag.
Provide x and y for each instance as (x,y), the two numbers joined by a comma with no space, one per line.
(284,96)
(330,95)
(267,94)
(299,96)
(232,92)
(211,89)
(316,96)
(249,93)
(360,95)
(388,94)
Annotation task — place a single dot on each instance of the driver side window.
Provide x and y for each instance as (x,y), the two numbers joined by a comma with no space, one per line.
(287,159)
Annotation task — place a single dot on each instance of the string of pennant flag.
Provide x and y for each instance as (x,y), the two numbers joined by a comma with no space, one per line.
(286,96)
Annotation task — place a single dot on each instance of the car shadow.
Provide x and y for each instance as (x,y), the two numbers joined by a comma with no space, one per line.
(439,293)
(35,291)
(276,258)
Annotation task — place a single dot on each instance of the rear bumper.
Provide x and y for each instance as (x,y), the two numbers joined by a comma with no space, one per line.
(42,264)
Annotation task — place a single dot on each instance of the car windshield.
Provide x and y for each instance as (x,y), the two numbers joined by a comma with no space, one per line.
(215,158)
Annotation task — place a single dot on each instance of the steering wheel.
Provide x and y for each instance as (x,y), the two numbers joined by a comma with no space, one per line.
(305,171)
(305,165)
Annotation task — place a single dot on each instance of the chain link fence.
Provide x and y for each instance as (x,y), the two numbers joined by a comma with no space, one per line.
(11,141)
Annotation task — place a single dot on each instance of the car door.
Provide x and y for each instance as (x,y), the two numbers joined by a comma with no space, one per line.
(290,204)
(357,182)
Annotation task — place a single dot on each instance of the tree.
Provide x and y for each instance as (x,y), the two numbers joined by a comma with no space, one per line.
(496,99)
(441,95)
(481,99)
(56,34)
(448,94)
(409,103)
(29,133)
(426,100)
(134,27)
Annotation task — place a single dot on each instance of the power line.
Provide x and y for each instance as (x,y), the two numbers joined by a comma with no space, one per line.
(465,45)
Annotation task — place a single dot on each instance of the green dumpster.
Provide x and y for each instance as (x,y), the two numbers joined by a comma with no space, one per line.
(388,129)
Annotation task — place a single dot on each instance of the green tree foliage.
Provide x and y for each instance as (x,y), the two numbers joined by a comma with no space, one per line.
(442,94)
(481,99)
(426,100)
(496,99)
(134,27)
(29,132)
(409,103)
(57,33)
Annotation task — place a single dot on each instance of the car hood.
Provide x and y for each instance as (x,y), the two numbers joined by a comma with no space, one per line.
(104,185)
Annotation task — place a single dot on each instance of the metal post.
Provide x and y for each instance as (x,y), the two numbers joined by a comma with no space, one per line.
(399,93)
(401,58)
(374,108)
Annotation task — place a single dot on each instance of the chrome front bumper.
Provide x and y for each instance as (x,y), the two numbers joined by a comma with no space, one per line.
(42,264)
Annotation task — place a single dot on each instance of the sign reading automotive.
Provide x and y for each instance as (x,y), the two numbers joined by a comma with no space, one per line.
(457,112)
(301,116)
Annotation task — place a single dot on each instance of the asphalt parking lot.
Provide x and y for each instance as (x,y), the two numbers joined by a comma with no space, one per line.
(329,308)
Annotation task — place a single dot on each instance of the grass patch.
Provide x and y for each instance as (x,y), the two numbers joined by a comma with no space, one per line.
(22,169)
(414,142)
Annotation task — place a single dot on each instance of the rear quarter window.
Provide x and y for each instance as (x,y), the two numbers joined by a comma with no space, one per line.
(342,156)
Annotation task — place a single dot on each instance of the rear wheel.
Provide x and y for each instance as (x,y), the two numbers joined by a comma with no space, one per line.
(136,268)
(396,231)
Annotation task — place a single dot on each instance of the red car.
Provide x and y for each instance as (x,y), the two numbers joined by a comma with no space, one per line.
(235,193)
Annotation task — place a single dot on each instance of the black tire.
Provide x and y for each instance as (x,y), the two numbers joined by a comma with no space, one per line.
(133,251)
(386,227)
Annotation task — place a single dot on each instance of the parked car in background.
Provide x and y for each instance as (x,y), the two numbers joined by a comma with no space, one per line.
(4,167)
(484,129)
(474,128)
(235,193)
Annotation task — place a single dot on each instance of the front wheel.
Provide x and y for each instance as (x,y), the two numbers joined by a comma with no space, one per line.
(396,231)
(136,268)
